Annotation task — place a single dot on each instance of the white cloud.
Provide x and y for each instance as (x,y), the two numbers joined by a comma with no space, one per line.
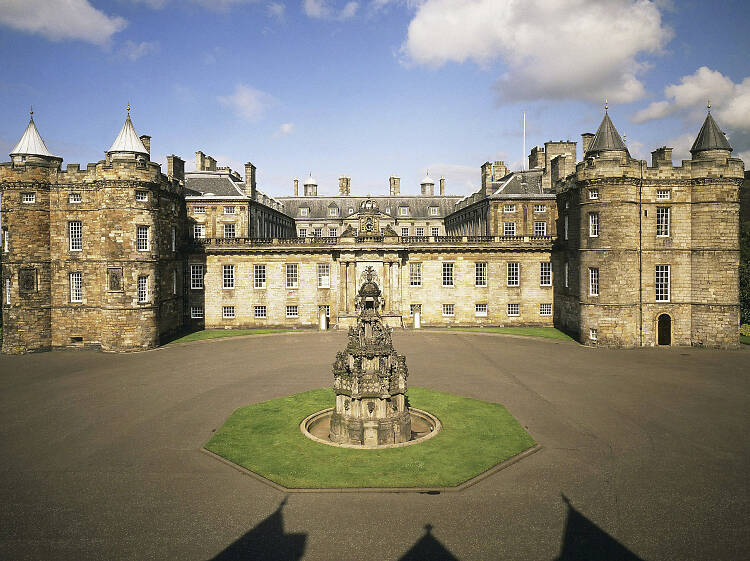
(349,10)
(459,179)
(133,51)
(213,4)
(155,4)
(248,102)
(285,129)
(276,10)
(322,9)
(574,49)
(61,19)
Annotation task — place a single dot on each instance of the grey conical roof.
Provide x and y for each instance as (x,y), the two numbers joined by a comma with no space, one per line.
(127,140)
(710,137)
(606,138)
(31,143)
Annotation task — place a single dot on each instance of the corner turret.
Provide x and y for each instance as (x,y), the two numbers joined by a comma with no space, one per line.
(128,145)
(607,141)
(31,149)
(711,142)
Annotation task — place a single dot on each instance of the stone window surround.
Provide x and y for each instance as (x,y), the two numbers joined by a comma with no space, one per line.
(229,230)
(509,208)
(662,284)
(540,228)
(663,194)
(593,281)
(141,196)
(230,210)
(663,221)
(509,228)
(415,273)
(593,193)
(434,211)
(199,229)
(593,224)
(292,275)
(540,208)
(227,312)
(435,231)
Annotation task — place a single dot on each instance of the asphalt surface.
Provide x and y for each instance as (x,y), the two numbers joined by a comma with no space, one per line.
(645,455)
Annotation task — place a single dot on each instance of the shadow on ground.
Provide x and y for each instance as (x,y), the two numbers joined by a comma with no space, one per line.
(582,540)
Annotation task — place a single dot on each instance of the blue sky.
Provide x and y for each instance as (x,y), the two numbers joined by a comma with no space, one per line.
(368,88)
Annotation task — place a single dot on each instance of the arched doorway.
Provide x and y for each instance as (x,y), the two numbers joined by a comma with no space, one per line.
(664,329)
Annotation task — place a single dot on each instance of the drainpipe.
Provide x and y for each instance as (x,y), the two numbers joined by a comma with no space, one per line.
(640,254)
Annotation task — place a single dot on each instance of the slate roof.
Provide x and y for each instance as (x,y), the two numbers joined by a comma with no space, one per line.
(31,143)
(520,183)
(606,138)
(218,184)
(710,137)
(127,140)
(418,206)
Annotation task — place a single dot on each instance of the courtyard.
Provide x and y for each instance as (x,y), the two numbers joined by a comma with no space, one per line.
(644,455)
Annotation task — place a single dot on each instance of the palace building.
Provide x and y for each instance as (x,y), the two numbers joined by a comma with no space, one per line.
(121,255)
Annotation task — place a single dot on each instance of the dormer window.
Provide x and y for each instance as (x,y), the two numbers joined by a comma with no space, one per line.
(351,210)
(388,210)
(141,196)
(304,211)
(28,198)
(333,211)
(403,211)
(434,211)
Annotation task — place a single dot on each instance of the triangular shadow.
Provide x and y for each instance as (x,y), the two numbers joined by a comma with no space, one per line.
(585,541)
(266,542)
(428,548)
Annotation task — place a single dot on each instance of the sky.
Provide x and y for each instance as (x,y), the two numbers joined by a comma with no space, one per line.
(370,88)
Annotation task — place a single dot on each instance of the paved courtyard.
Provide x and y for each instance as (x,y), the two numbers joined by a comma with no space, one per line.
(645,455)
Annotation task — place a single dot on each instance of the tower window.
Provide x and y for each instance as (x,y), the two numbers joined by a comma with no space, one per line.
(593,281)
(28,198)
(662,283)
(142,235)
(76,287)
(75,235)
(593,224)
(662,221)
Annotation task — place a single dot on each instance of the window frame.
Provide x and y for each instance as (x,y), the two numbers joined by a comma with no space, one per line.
(76,287)
(145,239)
(663,221)
(141,196)
(434,231)
(537,228)
(28,198)
(230,231)
(196,312)
(260,311)
(448,274)
(594,280)
(509,228)
(78,238)
(593,224)
(260,276)
(540,208)
(513,273)
(231,209)
(197,271)
(543,308)
(291,271)
(142,289)
(227,276)
(72,198)
(480,274)
(449,310)
(593,193)
(662,291)
(478,313)
(513,306)
(199,228)
(415,273)
(228,312)
(324,275)
(510,208)
(545,273)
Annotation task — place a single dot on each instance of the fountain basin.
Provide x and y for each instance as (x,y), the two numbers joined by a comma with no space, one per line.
(424,426)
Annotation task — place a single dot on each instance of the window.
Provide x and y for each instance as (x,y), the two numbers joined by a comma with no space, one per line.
(174,281)
(199,210)
(434,211)
(593,224)
(351,210)
(292,275)
(592,334)
(509,208)
(259,312)
(567,267)
(196,312)
(142,235)
(227,312)
(228,230)
(142,289)
(382,231)
(419,232)
(434,231)
(540,228)
(662,283)
(229,210)
(662,221)
(593,193)
(513,270)
(404,231)
(74,233)
(480,310)
(545,309)
(565,226)
(403,211)
(196,276)
(545,273)
(199,231)
(259,276)
(325,308)
(318,232)
(509,229)
(480,274)
(227,275)
(415,274)
(447,274)
(593,281)
(141,196)
(304,211)
(292,311)
(28,198)
(540,208)
(324,275)
(514,309)
(74,198)
(76,287)
(333,211)
(448,310)
(414,308)
(302,232)
(174,238)
(663,194)
(333,232)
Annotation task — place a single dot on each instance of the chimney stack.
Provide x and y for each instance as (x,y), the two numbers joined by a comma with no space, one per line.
(146,139)
(586,139)
(395,184)
(499,170)
(661,157)
(250,187)
(175,167)
(200,160)
(296,187)
(486,179)
(442,186)
(344,186)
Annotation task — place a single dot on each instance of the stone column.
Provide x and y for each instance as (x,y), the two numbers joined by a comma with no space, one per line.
(342,288)
(352,286)
(387,285)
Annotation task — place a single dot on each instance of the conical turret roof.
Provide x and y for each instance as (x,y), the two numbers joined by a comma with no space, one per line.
(127,140)
(710,137)
(606,138)
(31,143)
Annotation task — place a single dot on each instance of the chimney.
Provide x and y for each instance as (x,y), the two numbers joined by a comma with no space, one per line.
(499,170)
(296,187)
(442,186)
(661,157)
(395,183)
(586,139)
(250,190)
(210,164)
(344,186)
(486,179)
(175,167)
(557,168)
(146,139)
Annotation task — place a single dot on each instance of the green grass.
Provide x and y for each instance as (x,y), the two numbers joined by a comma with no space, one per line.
(745,339)
(265,438)
(547,332)
(217,333)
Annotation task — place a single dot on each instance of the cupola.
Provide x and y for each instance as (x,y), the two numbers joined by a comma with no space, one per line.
(607,141)
(311,187)
(711,141)
(428,185)
(127,145)
(31,149)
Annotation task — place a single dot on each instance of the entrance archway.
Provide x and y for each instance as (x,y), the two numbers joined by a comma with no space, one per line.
(664,329)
